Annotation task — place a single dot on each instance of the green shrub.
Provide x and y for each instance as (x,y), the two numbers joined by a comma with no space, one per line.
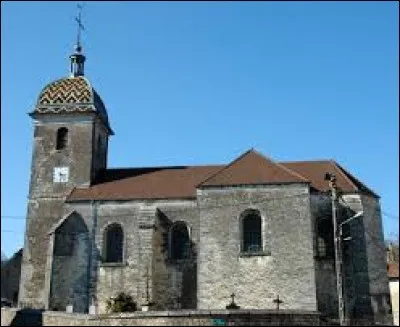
(122,303)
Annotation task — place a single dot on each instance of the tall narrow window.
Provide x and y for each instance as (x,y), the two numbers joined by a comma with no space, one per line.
(62,138)
(113,243)
(251,229)
(179,241)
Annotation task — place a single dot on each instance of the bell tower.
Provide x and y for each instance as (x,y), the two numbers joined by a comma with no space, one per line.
(71,131)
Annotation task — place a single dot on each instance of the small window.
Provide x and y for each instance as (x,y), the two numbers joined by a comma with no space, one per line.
(179,241)
(62,138)
(251,232)
(113,243)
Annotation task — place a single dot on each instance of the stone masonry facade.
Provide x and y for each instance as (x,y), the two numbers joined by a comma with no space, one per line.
(186,238)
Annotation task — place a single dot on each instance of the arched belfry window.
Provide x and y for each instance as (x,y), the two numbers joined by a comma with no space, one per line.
(251,231)
(62,138)
(179,242)
(113,243)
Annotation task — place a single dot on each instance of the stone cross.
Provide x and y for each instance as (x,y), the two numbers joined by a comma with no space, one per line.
(233,305)
(277,301)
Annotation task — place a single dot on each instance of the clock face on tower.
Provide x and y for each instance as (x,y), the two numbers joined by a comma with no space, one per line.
(60,174)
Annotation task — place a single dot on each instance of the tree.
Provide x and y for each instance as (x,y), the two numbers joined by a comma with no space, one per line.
(392,251)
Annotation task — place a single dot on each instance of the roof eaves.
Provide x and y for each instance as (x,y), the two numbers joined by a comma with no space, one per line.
(127,198)
(252,184)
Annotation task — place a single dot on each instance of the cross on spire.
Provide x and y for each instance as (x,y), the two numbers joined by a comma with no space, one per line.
(80,26)
(77,58)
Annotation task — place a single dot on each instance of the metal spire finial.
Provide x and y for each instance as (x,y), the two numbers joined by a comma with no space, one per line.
(80,26)
(77,58)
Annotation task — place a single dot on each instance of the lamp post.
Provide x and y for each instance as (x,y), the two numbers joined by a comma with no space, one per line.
(337,235)
(331,178)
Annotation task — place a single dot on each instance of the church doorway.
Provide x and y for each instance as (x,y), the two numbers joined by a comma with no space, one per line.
(69,275)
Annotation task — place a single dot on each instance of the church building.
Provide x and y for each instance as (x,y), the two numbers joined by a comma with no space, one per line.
(187,237)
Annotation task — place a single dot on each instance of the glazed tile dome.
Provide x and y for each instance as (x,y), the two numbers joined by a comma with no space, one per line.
(71,95)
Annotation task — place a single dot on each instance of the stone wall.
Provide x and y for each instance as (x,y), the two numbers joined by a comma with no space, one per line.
(325,276)
(365,257)
(286,266)
(175,280)
(46,198)
(174,318)
(376,257)
(146,267)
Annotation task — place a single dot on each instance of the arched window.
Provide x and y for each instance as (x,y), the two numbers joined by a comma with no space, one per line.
(62,138)
(179,241)
(251,231)
(113,243)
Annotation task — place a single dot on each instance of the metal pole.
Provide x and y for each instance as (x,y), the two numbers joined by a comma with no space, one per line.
(338,250)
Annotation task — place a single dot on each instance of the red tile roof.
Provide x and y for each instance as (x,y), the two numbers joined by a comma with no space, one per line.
(181,182)
(146,183)
(252,168)
(315,172)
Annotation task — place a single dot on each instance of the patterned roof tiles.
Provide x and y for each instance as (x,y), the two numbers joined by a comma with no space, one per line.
(71,94)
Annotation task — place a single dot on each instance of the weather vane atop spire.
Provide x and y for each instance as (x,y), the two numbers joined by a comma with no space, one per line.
(80,26)
(77,58)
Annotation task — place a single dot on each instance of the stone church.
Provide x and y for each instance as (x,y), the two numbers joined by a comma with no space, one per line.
(186,237)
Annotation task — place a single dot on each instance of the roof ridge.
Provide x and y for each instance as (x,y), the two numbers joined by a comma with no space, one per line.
(226,166)
(270,160)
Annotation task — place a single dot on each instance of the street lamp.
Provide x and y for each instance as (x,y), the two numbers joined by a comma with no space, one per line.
(357,215)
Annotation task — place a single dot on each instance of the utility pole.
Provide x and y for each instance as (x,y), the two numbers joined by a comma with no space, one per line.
(338,247)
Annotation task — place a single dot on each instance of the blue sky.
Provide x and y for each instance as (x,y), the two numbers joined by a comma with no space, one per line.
(202,82)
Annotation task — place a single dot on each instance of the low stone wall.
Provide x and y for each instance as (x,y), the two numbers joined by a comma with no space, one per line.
(169,318)
(7,316)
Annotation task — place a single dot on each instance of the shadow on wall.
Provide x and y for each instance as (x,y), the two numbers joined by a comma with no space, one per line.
(28,317)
